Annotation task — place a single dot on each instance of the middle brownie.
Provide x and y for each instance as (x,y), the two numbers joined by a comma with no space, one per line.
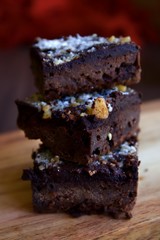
(75,128)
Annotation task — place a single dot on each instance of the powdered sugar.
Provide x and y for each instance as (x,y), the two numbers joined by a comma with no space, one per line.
(45,159)
(66,49)
(70,44)
(126,149)
(86,99)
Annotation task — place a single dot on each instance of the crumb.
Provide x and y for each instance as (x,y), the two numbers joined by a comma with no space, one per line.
(109,136)
(141,178)
(91,173)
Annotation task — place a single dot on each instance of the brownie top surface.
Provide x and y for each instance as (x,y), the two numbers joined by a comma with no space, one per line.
(66,49)
(99,104)
(44,159)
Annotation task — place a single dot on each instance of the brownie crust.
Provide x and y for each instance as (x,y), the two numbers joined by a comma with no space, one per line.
(108,64)
(108,186)
(75,137)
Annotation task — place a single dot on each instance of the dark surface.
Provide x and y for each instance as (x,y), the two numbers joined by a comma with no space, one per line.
(108,65)
(76,138)
(109,187)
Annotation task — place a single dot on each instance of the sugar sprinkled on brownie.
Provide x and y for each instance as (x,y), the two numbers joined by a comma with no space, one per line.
(127,149)
(71,43)
(66,49)
(45,158)
(86,99)
(76,132)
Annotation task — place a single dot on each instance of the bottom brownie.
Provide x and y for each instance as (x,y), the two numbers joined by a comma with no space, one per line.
(107,185)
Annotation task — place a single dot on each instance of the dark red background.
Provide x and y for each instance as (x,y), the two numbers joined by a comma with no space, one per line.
(23,20)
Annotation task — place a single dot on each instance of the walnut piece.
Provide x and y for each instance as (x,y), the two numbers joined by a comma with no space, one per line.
(91,173)
(46,111)
(112,39)
(99,108)
(55,159)
(121,88)
(83,114)
(120,40)
(41,167)
(125,39)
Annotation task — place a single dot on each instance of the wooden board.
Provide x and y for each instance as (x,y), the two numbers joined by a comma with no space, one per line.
(18,221)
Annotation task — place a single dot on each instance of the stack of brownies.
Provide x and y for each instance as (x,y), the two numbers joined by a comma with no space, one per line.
(87,119)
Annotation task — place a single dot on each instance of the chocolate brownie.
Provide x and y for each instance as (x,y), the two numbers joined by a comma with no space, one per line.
(77,64)
(77,127)
(107,185)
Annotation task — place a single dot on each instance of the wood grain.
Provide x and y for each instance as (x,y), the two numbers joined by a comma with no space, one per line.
(18,221)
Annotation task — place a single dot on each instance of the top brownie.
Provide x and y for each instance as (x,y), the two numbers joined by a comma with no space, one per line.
(77,64)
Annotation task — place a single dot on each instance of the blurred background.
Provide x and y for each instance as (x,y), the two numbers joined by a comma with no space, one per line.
(23,20)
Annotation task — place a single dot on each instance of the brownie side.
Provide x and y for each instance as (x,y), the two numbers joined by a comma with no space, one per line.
(107,185)
(92,70)
(75,137)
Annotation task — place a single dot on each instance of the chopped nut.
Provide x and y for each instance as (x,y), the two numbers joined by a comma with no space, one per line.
(79,100)
(111,39)
(47,111)
(91,173)
(112,165)
(55,159)
(71,116)
(75,104)
(41,167)
(99,108)
(125,39)
(83,114)
(63,115)
(104,162)
(109,136)
(121,88)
